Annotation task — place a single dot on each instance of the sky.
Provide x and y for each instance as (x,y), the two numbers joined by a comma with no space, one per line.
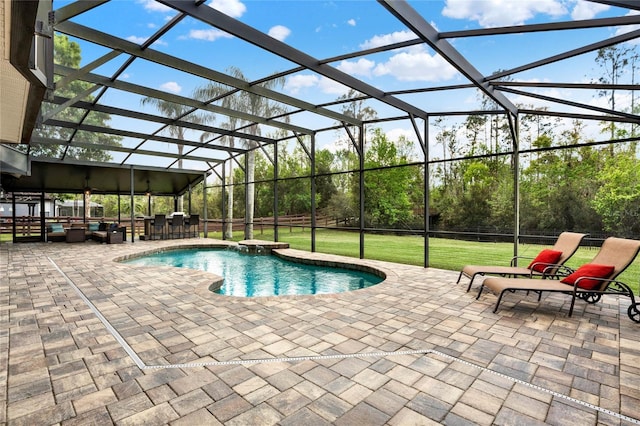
(325,29)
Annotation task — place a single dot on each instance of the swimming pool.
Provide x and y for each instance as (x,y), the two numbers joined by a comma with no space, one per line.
(253,275)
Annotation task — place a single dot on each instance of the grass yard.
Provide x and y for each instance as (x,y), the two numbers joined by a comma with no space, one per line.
(443,253)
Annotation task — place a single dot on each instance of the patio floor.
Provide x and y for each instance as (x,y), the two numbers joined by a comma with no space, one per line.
(86,340)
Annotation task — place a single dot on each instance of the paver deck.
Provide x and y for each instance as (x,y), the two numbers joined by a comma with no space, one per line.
(86,340)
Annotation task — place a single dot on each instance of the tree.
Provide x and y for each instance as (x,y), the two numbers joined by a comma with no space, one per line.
(618,198)
(173,111)
(231,101)
(68,54)
(613,61)
(387,202)
(176,112)
(557,187)
(325,186)
(252,104)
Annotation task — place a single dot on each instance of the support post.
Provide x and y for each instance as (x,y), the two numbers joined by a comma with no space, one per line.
(313,192)
(204,200)
(425,147)
(223,202)
(361,180)
(516,182)
(276,206)
(132,209)
(43,225)
(246,195)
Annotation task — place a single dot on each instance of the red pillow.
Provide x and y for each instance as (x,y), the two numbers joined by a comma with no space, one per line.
(589,270)
(546,256)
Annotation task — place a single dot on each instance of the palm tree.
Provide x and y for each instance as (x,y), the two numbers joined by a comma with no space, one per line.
(175,111)
(170,110)
(255,105)
(232,102)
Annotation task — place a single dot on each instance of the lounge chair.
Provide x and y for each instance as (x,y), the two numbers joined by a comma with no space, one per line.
(589,282)
(545,263)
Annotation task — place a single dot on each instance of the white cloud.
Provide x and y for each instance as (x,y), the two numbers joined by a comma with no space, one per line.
(395,134)
(587,10)
(351,22)
(628,28)
(361,67)
(233,8)
(497,13)
(332,87)
(154,6)
(385,39)
(279,32)
(171,86)
(209,35)
(141,40)
(416,66)
(136,39)
(298,82)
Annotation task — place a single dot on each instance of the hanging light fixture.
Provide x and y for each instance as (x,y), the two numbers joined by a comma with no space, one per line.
(87,188)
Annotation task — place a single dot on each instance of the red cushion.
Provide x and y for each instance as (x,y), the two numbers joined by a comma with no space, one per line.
(545,256)
(589,270)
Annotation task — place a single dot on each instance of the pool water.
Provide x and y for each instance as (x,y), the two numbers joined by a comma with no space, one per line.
(252,275)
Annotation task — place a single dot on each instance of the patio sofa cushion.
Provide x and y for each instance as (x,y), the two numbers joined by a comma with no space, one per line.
(55,232)
(56,227)
(99,236)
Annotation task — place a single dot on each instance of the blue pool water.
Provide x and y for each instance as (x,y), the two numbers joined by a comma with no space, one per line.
(250,275)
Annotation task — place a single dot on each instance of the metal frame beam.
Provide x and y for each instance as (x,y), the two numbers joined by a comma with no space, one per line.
(170,97)
(249,34)
(409,17)
(112,42)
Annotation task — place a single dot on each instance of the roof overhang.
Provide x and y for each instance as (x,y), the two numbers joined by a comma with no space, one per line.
(74,177)
(22,82)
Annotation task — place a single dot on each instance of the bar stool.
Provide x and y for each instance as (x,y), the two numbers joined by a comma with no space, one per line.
(177,223)
(192,225)
(158,224)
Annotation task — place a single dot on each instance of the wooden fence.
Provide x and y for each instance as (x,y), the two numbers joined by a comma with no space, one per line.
(29,226)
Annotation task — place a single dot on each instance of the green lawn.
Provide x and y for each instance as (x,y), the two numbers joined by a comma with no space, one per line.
(443,253)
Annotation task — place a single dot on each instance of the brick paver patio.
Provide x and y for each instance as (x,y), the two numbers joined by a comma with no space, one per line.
(86,340)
